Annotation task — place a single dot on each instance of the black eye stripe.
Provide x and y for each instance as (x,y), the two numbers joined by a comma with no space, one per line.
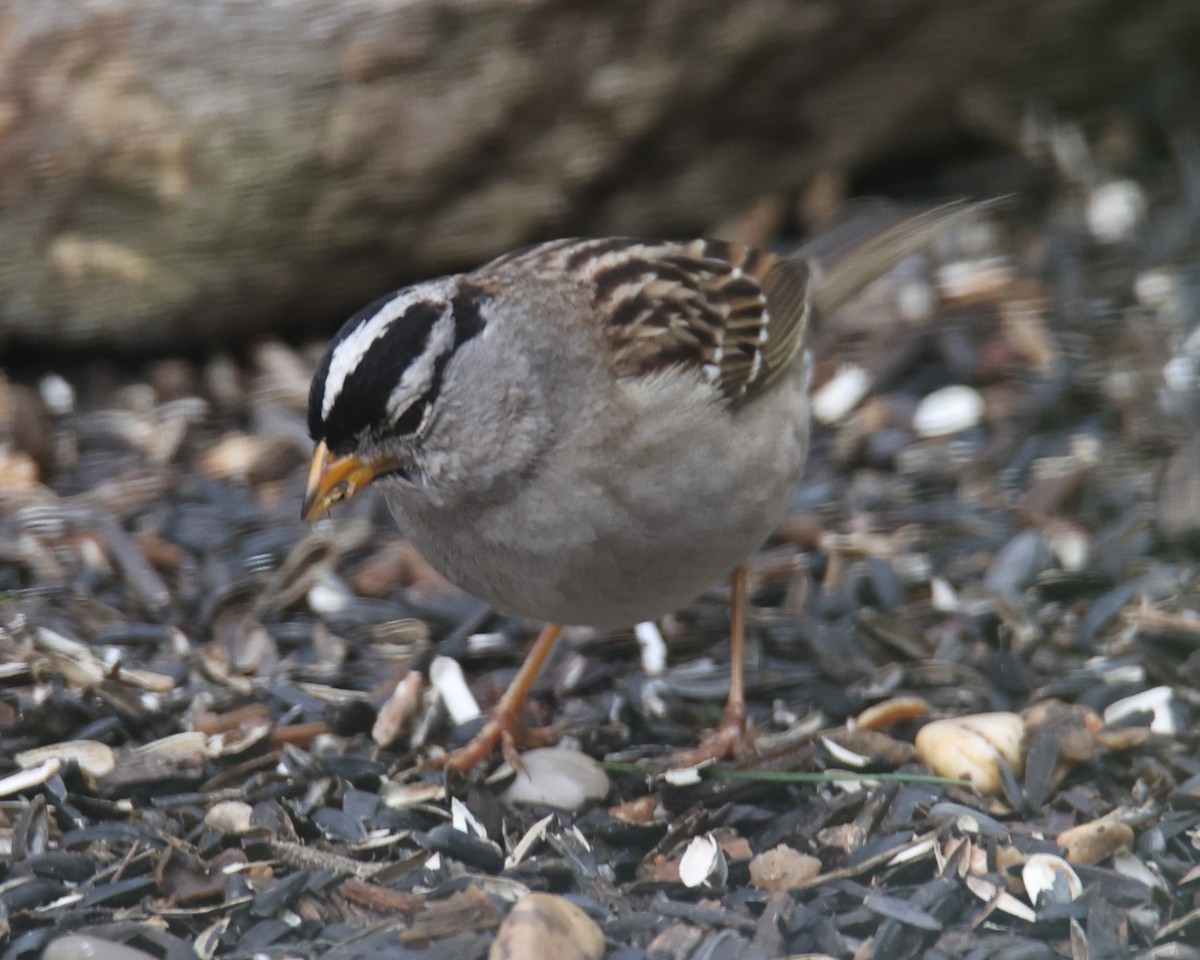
(467,306)
(410,420)
(468,322)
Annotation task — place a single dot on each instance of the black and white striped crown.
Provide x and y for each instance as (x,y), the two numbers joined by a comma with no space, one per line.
(384,368)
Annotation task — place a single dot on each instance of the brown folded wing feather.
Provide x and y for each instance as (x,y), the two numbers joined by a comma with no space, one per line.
(735,314)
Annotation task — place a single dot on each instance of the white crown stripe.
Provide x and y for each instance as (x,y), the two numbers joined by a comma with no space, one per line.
(349,353)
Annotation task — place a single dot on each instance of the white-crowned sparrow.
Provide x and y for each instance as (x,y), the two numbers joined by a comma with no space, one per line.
(592,431)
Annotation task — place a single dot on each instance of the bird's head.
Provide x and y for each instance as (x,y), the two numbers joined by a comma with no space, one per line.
(376,393)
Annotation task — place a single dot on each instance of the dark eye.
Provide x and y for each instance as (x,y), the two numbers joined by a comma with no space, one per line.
(410,421)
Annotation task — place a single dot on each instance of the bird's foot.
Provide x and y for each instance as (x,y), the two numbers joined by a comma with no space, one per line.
(732,739)
(504,728)
(505,731)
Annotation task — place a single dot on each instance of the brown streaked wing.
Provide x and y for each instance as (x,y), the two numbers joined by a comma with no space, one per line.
(736,314)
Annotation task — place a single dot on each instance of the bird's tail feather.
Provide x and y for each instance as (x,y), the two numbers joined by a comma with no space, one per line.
(875,236)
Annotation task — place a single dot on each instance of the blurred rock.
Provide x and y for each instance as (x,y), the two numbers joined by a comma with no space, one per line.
(174,174)
(544,925)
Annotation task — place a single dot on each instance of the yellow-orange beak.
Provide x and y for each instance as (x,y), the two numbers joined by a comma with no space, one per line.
(332,480)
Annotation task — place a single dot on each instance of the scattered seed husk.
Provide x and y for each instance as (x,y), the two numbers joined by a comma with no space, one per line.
(1021,544)
(93,758)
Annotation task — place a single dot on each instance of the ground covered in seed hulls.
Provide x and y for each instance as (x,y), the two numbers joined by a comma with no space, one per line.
(213,717)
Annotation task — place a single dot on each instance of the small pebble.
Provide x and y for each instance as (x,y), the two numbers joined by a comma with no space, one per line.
(971,748)
(558,777)
(543,926)
(229,817)
(783,868)
(80,946)
(676,942)
(1090,843)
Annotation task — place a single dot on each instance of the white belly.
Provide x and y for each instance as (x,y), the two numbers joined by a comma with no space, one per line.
(590,542)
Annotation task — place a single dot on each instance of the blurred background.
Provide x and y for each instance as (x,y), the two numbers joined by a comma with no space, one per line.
(181,175)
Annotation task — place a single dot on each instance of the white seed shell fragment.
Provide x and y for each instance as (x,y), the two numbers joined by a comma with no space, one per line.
(943,596)
(685,776)
(843,755)
(57,394)
(188,747)
(947,411)
(841,394)
(398,796)
(1005,901)
(971,748)
(231,457)
(533,836)
(1048,876)
(653,648)
(703,863)
(1157,288)
(1070,545)
(1158,701)
(915,301)
(447,679)
(95,759)
(1130,865)
(975,280)
(543,926)
(28,779)
(401,708)
(326,598)
(461,818)
(558,777)
(1115,209)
